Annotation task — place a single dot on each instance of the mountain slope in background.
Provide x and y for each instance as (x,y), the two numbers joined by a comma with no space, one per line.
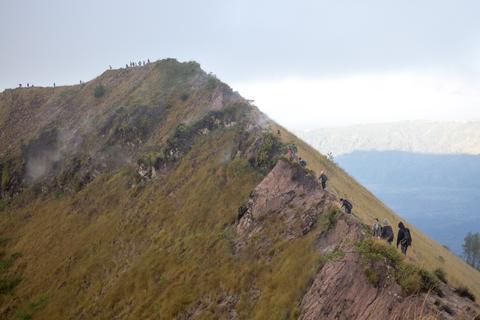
(438,193)
(158,192)
(410,136)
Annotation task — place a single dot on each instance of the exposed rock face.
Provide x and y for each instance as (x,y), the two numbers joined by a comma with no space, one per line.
(340,289)
(290,193)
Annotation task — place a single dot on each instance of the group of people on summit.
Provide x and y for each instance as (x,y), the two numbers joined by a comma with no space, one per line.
(136,64)
(380,231)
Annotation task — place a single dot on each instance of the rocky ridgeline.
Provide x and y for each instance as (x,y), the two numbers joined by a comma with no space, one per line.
(344,286)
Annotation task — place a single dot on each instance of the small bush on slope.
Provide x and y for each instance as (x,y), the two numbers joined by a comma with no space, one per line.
(465,293)
(411,278)
(441,275)
(99,91)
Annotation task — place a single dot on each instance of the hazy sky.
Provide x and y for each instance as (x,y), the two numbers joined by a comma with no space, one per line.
(305,63)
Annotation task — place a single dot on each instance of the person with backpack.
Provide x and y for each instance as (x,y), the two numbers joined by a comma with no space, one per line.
(347,205)
(377,229)
(387,231)
(404,238)
(323,180)
(302,162)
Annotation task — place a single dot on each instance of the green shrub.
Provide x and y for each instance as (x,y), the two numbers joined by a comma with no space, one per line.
(428,281)
(332,217)
(269,151)
(3,205)
(8,283)
(441,275)
(464,292)
(99,91)
(411,279)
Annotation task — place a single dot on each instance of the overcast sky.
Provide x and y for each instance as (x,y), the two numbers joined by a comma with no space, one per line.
(305,63)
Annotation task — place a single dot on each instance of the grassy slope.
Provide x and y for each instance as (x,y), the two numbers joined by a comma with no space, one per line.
(425,251)
(158,251)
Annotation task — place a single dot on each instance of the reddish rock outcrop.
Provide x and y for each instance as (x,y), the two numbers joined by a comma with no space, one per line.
(340,289)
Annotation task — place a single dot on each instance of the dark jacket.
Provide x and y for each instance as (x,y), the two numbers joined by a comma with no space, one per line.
(387,233)
(323,178)
(346,204)
(404,234)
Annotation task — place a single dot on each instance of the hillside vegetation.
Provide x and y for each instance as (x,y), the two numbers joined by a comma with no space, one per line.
(129,204)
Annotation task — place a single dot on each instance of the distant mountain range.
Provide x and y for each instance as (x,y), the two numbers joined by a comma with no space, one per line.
(410,136)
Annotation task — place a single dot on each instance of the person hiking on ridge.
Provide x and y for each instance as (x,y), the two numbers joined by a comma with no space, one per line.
(347,205)
(302,162)
(377,229)
(387,231)
(323,179)
(290,154)
(404,238)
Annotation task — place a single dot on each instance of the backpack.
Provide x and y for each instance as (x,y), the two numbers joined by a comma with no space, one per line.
(387,233)
(348,204)
(407,237)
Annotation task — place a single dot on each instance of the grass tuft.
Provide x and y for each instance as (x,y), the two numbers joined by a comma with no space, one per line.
(441,275)
(464,292)
(376,255)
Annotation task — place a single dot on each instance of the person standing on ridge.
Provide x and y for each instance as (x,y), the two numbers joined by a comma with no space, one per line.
(387,231)
(347,205)
(377,229)
(302,162)
(323,179)
(404,238)
(290,154)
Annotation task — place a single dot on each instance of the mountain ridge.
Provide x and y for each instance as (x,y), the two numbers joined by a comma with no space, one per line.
(129,205)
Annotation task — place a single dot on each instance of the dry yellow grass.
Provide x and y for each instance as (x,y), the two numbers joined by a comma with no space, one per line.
(162,249)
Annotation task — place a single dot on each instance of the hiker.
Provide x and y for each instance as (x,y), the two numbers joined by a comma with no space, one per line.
(19,85)
(28,85)
(387,231)
(148,60)
(377,229)
(290,154)
(302,162)
(323,179)
(347,205)
(54,85)
(404,238)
